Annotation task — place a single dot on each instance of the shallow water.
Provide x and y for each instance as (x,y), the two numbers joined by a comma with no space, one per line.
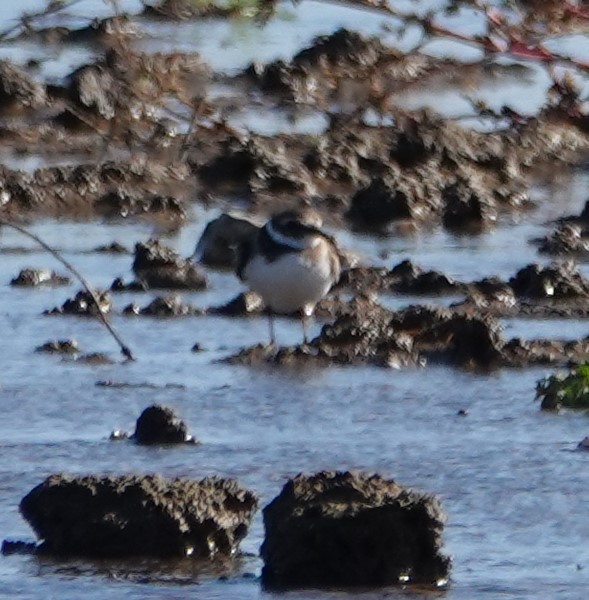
(507,474)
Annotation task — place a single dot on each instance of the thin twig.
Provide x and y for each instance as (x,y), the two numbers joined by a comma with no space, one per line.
(125,350)
(196,105)
(51,9)
(506,44)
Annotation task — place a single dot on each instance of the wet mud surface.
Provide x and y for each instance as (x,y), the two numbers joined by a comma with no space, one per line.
(371,175)
(106,516)
(352,508)
(463,236)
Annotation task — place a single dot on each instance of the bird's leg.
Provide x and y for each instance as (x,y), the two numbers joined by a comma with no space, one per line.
(306,312)
(304,321)
(271,326)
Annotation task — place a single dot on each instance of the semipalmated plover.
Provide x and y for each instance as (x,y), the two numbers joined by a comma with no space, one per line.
(291,264)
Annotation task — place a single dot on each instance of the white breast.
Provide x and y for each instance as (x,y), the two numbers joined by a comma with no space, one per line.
(290,282)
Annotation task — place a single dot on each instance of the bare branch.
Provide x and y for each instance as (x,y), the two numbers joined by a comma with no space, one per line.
(125,350)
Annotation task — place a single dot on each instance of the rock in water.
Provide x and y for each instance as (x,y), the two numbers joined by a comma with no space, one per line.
(222,236)
(128,515)
(160,425)
(83,304)
(160,267)
(36,277)
(349,529)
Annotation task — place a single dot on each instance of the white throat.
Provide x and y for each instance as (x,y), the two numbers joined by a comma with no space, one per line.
(284,240)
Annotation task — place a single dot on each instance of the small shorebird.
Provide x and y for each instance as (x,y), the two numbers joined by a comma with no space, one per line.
(291,264)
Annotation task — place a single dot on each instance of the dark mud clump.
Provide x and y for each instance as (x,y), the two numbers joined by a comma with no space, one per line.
(160,267)
(99,32)
(59,347)
(161,425)
(341,529)
(558,281)
(18,547)
(83,304)
(449,179)
(221,239)
(112,248)
(84,190)
(255,166)
(246,303)
(404,278)
(467,341)
(129,515)
(383,201)
(491,295)
(566,239)
(556,290)
(365,332)
(163,306)
(36,277)
(95,89)
(316,73)
(119,203)
(188,9)
(18,91)
(580,219)
(120,285)
(361,334)
(467,206)
(95,358)
(408,278)
(472,342)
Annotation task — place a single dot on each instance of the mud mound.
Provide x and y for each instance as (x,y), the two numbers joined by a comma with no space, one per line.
(566,239)
(472,342)
(555,281)
(341,529)
(18,91)
(83,304)
(94,88)
(93,189)
(161,425)
(128,515)
(119,203)
(404,278)
(243,304)
(382,201)
(467,205)
(160,267)
(337,54)
(163,307)
(59,347)
(255,165)
(344,67)
(221,238)
(365,333)
(36,277)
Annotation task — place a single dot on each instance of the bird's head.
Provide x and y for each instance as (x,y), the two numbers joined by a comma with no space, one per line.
(297,223)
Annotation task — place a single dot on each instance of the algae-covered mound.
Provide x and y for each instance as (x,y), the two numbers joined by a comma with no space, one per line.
(570,390)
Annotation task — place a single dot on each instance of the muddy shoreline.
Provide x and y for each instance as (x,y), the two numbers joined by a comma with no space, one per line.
(144,138)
